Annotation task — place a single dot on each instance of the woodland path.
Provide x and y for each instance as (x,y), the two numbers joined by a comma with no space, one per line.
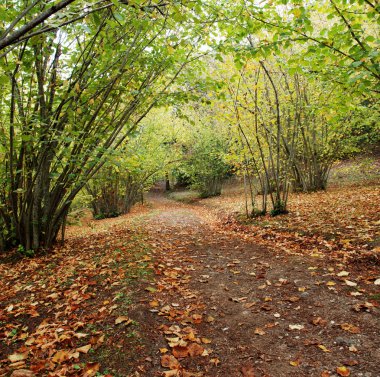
(256,312)
(172,290)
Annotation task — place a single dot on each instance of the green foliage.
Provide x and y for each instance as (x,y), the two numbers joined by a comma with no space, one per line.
(76,87)
(206,167)
(133,169)
(25,253)
(204,161)
(70,99)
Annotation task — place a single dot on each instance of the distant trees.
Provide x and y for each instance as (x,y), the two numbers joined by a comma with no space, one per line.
(204,163)
(130,171)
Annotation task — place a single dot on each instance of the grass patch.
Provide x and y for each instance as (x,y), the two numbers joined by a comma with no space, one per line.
(188,196)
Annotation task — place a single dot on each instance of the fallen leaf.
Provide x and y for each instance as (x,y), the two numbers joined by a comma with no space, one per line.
(292,299)
(84,349)
(169,361)
(91,369)
(180,352)
(195,350)
(151,289)
(350,363)
(343,273)
(123,319)
(350,283)
(294,363)
(325,373)
(215,361)
(350,328)
(323,348)
(17,357)
(319,321)
(23,373)
(343,371)
(363,307)
(352,348)
(248,371)
(60,356)
(259,331)
(171,373)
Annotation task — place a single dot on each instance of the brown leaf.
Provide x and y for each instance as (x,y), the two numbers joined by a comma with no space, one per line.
(123,319)
(23,373)
(195,349)
(215,361)
(259,331)
(60,356)
(350,363)
(84,349)
(197,318)
(318,321)
(171,373)
(247,371)
(292,299)
(186,373)
(350,328)
(180,352)
(169,361)
(91,369)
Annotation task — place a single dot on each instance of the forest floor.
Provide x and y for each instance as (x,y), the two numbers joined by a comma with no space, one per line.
(176,289)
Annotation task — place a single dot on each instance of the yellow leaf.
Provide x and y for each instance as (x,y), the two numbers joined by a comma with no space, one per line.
(154,304)
(84,349)
(206,340)
(343,371)
(60,356)
(297,12)
(323,348)
(17,357)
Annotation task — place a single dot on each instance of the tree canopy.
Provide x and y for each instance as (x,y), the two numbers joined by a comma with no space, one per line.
(274,91)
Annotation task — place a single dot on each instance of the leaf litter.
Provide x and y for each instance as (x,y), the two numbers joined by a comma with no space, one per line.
(177,291)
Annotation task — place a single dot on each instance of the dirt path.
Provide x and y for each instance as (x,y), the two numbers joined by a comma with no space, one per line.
(171,290)
(223,306)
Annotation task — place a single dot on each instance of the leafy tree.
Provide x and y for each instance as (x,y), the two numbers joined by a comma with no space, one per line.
(132,170)
(204,145)
(72,96)
(337,39)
